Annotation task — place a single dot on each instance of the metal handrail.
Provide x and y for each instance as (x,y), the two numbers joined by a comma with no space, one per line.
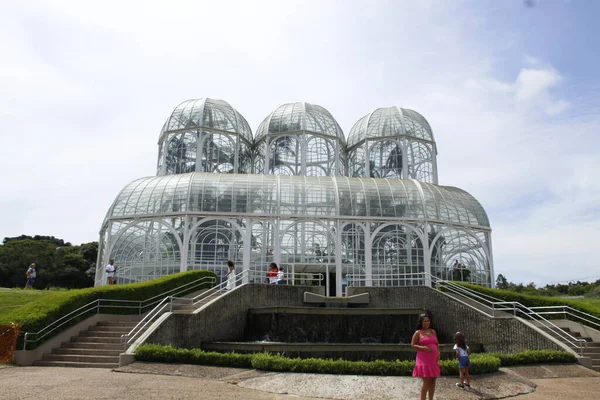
(516,307)
(100,303)
(246,276)
(569,311)
(148,318)
(153,314)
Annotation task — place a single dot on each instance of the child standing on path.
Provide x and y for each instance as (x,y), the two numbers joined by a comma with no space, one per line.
(464,362)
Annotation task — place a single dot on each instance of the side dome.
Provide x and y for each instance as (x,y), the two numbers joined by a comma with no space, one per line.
(204,135)
(390,122)
(207,113)
(301,116)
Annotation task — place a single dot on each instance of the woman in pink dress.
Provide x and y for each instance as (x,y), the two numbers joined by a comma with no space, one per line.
(428,356)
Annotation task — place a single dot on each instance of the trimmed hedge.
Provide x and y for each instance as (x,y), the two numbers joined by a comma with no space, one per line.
(480,363)
(535,357)
(535,301)
(35,316)
(170,354)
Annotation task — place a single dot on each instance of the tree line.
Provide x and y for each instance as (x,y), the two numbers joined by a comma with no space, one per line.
(58,263)
(575,288)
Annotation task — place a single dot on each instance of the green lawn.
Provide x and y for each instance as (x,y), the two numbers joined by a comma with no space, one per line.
(15,298)
(592,301)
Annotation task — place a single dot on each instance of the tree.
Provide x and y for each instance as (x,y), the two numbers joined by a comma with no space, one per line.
(58,262)
(501,282)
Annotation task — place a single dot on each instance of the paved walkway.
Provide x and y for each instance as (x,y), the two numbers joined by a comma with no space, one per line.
(144,381)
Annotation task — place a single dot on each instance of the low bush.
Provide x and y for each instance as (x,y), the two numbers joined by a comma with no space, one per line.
(169,354)
(535,357)
(38,314)
(480,363)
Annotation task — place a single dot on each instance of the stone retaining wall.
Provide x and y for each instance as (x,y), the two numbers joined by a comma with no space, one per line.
(226,318)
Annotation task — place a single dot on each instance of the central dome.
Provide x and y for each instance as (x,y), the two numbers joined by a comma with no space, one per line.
(294,117)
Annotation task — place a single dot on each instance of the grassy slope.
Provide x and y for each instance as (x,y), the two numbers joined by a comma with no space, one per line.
(11,299)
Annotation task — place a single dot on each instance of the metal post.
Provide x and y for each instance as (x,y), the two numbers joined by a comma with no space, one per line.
(327,280)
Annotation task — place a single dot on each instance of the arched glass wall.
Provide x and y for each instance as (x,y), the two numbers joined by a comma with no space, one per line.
(392,143)
(205,135)
(357,230)
(300,139)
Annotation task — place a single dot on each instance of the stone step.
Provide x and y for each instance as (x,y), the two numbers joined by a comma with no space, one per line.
(118,323)
(593,344)
(96,339)
(592,350)
(86,352)
(72,364)
(119,329)
(100,334)
(92,346)
(81,358)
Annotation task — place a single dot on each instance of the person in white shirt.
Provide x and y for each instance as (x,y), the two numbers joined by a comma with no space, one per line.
(230,275)
(280,276)
(110,272)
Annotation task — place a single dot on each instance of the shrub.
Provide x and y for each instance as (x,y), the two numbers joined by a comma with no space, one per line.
(38,314)
(535,357)
(169,354)
(480,363)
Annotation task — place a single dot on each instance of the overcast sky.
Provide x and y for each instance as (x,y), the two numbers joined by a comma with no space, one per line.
(511,89)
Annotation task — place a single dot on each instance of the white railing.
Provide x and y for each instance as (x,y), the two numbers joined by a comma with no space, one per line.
(569,313)
(497,307)
(388,280)
(97,305)
(248,276)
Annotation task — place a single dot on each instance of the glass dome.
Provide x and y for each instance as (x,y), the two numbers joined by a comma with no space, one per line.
(293,117)
(390,122)
(393,143)
(207,113)
(300,139)
(205,135)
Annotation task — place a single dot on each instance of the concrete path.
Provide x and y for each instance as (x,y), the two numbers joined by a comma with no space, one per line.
(145,381)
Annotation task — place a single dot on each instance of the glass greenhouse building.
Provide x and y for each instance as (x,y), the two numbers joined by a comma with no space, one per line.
(363,211)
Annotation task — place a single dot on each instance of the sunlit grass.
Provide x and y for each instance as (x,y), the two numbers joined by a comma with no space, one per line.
(15,298)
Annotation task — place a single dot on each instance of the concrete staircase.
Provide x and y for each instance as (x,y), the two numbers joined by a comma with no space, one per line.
(592,349)
(97,347)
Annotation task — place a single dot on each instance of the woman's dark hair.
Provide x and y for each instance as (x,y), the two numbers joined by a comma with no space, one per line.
(459,339)
(273,265)
(421,318)
(230,263)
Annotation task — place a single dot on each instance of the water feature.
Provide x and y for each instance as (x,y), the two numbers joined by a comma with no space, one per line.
(330,332)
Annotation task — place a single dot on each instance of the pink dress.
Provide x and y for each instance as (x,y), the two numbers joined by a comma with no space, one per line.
(427,365)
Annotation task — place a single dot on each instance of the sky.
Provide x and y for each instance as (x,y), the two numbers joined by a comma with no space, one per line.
(511,89)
